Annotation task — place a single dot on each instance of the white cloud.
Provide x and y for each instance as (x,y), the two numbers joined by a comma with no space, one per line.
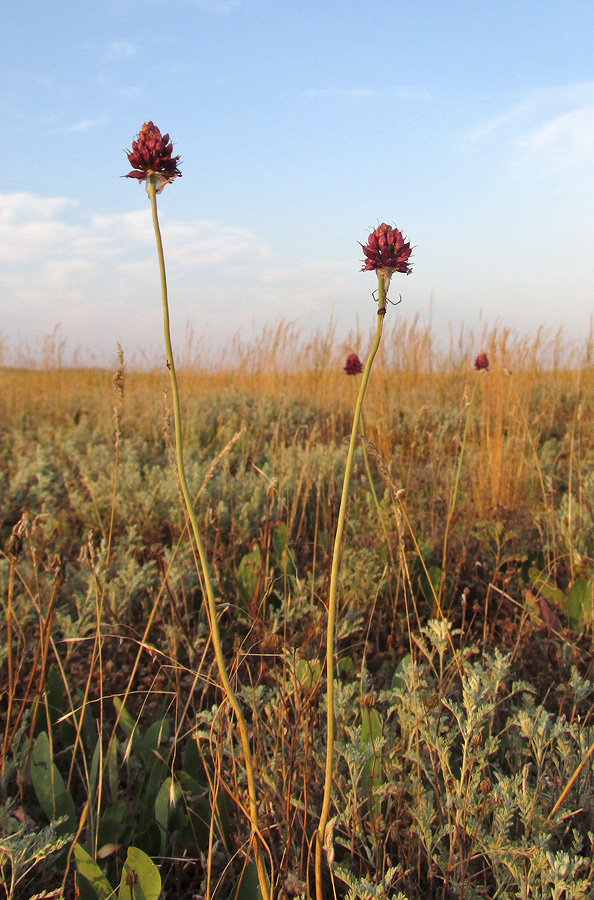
(549,131)
(117,50)
(85,124)
(354,93)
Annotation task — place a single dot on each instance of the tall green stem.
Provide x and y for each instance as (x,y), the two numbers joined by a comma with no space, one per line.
(332,594)
(208,588)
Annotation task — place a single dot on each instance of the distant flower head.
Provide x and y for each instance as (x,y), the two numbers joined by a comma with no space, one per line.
(353,365)
(386,251)
(151,155)
(482,362)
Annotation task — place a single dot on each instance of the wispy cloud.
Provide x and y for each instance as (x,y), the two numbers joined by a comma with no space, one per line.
(85,124)
(551,130)
(401,93)
(118,50)
(219,6)
(96,274)
(354,93)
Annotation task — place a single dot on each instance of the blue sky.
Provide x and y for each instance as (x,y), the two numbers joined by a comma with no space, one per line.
(301,124)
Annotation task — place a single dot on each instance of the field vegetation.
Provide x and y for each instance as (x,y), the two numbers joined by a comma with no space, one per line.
(464,733)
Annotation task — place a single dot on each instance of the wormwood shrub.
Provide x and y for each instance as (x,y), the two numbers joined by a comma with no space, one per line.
(452,793)
(268,509)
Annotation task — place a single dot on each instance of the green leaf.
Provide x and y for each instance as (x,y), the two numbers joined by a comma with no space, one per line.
(155,735)
(88,868)
(279,539)
(248,573)
(94,771)
(248,886)
(192,761)
(130,728)
(167,799)
(398,680)
(546,588)
(346,667)
(308,672)
(371,731)
(198,809)
(113,774)
(140,877)
(579,603)
(54,695)
(111,827)
(50,788)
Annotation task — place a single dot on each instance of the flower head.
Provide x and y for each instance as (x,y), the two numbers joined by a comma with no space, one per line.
(151,155)
(482,362)
(387,251)
(353,365)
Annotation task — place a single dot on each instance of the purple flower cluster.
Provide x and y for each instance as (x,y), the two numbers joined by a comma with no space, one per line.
(386,249)
(151,154)
(353,365)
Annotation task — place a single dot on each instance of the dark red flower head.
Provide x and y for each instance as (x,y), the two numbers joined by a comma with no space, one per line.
(386,249)
(151,155)
(482,362)
(353,365)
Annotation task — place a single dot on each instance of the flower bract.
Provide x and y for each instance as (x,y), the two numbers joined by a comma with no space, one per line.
(353,365)
(151,154)
(387,251)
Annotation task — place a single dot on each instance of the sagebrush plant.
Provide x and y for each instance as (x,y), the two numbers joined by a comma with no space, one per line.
(269,512)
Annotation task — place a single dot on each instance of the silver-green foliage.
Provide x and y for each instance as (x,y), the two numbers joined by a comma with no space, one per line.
(480,766)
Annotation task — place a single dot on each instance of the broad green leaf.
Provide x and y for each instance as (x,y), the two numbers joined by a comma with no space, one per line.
(130,728)
(141,879)
(167,799)
(279,539)
(88,868)
(579,604)
(154,736)
(248,573)
(398,680)
(371,731)
(50,788)
(308,672)
(248,886)
(549,590)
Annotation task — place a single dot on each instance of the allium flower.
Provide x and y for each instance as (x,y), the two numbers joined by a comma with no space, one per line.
(482,362)
(151,155)
(353,365)
(387,251)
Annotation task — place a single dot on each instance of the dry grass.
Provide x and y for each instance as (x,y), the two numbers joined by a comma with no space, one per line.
(274,415)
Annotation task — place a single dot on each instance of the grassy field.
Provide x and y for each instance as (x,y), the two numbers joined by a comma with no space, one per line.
(464,639)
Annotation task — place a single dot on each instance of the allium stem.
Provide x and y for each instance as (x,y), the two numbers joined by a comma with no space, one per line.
(208,587)
(333,591)
(454,497)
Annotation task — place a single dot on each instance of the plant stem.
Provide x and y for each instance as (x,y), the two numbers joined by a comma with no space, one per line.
(208,587)
(332,594)
(454,495)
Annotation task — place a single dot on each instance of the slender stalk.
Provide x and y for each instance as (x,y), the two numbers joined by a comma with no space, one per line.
(208,588)
(333,591)
(374,494)
(454,495)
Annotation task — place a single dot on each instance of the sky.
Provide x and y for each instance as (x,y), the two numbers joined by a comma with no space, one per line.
(301,125)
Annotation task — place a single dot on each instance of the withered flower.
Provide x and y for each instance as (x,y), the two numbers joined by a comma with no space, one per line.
(387,251)
(151,154)
(353,365)
(482,362)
